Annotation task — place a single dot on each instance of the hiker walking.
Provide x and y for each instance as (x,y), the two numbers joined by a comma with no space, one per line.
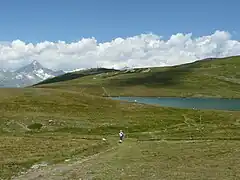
(121,135)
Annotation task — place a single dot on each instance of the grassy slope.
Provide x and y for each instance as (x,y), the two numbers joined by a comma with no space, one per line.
(79,120)
(215,78)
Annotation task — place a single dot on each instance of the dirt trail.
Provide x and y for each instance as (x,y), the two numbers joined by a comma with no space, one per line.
(58,171)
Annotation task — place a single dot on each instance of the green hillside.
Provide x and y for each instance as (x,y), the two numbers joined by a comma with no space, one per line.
(211,77)
(63,124)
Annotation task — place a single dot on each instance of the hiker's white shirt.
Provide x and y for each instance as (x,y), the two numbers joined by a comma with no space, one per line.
(121,134)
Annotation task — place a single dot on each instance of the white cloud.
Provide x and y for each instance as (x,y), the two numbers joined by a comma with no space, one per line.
(139,51)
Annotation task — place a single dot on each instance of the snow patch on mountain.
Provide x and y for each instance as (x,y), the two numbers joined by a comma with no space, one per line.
(41,74)
(75,70)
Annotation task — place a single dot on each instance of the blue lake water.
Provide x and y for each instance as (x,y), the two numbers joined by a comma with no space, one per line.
(192,103)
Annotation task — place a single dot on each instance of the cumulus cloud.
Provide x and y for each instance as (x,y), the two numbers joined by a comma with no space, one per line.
(138,51)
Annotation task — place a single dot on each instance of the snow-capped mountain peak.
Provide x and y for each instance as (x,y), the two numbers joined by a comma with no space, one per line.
(35,65)
(27,75)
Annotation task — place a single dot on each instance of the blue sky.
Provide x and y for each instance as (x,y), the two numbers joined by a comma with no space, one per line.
(52,20)
(118,33)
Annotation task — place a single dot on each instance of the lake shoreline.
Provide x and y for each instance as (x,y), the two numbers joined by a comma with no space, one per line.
(194,103)
(183,97)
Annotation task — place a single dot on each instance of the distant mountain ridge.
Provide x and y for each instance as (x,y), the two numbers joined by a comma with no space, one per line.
(28,75)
